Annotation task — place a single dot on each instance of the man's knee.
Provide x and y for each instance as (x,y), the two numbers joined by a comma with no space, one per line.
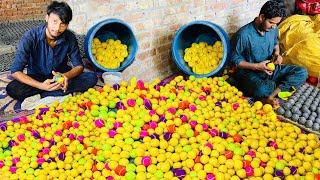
(302,73)
(13,91)
(263,90)
(92,79)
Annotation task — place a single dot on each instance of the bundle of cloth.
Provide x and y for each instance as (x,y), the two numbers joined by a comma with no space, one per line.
(300,41)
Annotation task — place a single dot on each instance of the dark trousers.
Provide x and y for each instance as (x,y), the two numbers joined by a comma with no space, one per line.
(260,85)
(20,91)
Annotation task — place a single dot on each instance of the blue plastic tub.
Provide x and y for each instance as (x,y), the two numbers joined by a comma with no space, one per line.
(195,32)
(115,29)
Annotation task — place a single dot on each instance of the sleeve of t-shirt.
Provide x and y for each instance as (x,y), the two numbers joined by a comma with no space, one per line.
(74,52)
(238,47)
(23,53)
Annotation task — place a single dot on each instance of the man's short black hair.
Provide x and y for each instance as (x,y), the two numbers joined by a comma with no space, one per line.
(272,9)
(61,9)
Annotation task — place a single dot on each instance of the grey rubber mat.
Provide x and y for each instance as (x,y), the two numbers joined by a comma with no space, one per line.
(11,32)
(6,61)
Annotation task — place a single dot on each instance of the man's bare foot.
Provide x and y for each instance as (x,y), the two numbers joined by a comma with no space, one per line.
(273,101)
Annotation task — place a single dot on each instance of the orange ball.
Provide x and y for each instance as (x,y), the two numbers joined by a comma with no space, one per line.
(228,154)
(237,138)
(171,128)
(120,170)
(63,148)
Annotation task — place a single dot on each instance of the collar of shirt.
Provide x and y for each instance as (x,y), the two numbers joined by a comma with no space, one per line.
(259,32)
(60,39)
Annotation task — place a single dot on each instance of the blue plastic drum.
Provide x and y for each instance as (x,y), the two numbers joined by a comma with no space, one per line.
(115,29)
(195,32)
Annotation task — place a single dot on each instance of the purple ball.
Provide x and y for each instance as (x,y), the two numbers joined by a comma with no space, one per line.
(43,110)
(179,173)
(116,86)
(147,104)
(162,118)
(120,105)
(154,136)
(52,142)
(293,169)
(3,126)
(61,156)
(301,150)
(224,135)
(36,134)
(50,160)
(218,104)
(167,136)
(12,143)
(279,173)
(15,120)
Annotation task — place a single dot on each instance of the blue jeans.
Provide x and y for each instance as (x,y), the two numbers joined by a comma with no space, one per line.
(260,85)
(20,91)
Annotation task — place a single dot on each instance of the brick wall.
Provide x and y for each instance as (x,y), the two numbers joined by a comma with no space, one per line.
(18,10)
(155,21)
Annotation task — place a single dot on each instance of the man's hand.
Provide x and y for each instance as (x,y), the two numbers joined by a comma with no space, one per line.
(64,85)
(50,85)
(277,59)
(262,66)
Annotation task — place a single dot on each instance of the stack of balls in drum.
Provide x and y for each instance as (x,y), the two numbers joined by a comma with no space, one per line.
(109,54)
(203,58)
(195,128)
(303,107)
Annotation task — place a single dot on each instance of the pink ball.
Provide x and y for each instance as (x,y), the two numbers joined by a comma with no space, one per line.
(107,166)
(205,126)
(40,161)
(42,140)
(13,169)
(163,98)
(193,124)
(45,150)
(15,160)
(210,176)
(184,118)
(153,124)
(202,98)
(110,178)
(249,171)
(71,136)
(75,125)
(209,145)
(21,137)
(112,133)
(252,153)
(140,85)
(131,102)
(172,110)
(235,106)
(144,133)
(152,112)
(146,161)
(117,124)
(80,138)
(58,133)
(192,108)
(99,123)
(214,132)
(1,164)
